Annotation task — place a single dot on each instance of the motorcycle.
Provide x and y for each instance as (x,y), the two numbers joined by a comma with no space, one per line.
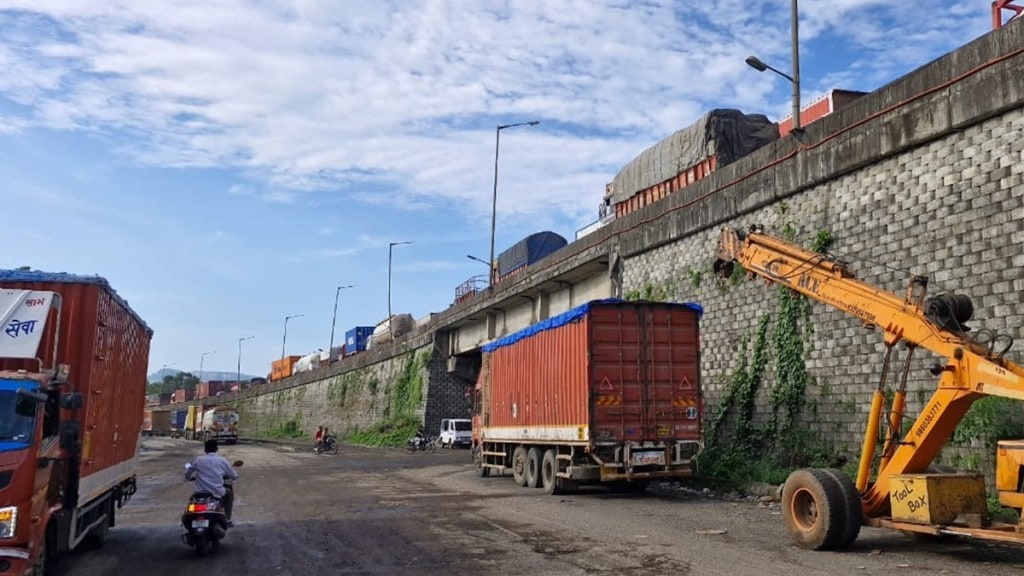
(329,444)
(426,443)
(205,520)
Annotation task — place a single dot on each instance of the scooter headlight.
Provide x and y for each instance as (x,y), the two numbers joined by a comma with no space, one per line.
(8,521)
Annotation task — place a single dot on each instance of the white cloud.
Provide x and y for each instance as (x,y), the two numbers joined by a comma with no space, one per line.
(396,103)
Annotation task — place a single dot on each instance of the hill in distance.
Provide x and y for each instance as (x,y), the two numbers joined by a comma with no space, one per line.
(208,375)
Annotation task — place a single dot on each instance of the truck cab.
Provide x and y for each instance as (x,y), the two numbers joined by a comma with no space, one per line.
(456,432)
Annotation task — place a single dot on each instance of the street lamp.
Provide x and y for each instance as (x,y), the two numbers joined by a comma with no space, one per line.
(480,260)
(238,375)
(285,338)
(390,246)
(494,198)
(165,376)
(330,349)
(201,358)
(760,66)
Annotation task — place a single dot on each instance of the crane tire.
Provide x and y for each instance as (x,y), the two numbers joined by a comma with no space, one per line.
(813,508)
(854,513)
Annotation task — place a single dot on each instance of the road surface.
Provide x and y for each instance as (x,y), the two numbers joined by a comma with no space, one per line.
(382,511)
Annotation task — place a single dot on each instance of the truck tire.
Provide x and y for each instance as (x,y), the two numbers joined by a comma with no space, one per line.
(533,464)
(519,465)
(550,481)
(813,508)
(478,461)
(854,512)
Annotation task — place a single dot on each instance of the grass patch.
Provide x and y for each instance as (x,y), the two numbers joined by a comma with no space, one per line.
(394,432)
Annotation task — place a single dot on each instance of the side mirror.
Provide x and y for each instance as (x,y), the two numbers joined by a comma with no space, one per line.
(71,401)
(237,463)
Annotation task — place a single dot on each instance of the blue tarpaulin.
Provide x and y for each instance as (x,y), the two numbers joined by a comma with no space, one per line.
(563,319)
(529,250)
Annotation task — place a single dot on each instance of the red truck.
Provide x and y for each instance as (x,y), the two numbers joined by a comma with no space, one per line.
(73,360)
(606,392)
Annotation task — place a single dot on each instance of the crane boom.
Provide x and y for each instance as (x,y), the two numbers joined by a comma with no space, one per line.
(973,367)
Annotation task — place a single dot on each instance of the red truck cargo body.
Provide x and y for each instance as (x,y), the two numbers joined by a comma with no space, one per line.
(107,348)
(621,372)
(607,391)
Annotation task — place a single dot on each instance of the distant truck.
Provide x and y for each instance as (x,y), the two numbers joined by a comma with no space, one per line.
(73,360)
(156,423)
(606,392)
(219,423)
(177,423)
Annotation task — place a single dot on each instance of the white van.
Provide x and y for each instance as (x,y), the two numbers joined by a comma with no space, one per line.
(456,432)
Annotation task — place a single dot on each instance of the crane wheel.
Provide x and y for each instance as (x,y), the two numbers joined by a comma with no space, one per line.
(814,509)
(854,512)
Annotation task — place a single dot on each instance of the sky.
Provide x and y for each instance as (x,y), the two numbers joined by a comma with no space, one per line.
(225,164)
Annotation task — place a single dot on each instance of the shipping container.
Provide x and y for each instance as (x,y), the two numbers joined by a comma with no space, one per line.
(193,422)
(158,399)
(82,325)
(717,139)
(355,339)
(528,251)
(820,108)
(608,391)
(283,367)
(181,395)
(178,423)
(156,423)
(211,388)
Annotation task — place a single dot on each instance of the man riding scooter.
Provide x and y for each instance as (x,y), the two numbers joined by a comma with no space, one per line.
(209,472)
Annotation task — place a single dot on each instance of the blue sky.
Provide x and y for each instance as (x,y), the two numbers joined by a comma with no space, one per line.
(225,164)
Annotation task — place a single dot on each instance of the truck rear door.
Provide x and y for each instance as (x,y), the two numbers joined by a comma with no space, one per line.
(644,372)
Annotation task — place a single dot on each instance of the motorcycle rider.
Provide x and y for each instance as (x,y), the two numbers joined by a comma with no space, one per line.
(209,472)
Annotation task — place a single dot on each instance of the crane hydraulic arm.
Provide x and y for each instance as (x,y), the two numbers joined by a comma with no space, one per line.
(973,366)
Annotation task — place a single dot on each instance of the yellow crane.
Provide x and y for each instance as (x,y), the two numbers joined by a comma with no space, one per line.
(824,509)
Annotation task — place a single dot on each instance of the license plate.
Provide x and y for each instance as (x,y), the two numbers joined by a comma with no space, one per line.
(647,458)
(200,523)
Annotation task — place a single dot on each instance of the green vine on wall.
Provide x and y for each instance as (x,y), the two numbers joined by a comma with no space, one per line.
(767,452)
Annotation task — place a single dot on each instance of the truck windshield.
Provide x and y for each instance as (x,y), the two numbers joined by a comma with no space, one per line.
(463,426)
(13,426)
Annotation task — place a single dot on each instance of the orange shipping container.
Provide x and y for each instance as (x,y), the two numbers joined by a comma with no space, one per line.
(106,346)
(283,367)
(604,372)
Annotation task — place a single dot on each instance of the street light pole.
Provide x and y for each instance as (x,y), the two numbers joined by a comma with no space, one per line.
(165,376)
(238,375)
(494,196)
(330,349)
(760,66)
(794,27)
(284,339)
(390,246)
(201,358)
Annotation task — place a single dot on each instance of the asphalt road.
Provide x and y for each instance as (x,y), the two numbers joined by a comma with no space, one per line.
(382,511)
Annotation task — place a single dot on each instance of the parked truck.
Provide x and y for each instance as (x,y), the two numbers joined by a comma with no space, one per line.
(177,423)
(156,423)
(193,422)
(606,392)
(219,423)
(73,360)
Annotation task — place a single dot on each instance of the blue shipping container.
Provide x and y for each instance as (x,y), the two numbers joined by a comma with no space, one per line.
(355,339)
(178,419)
